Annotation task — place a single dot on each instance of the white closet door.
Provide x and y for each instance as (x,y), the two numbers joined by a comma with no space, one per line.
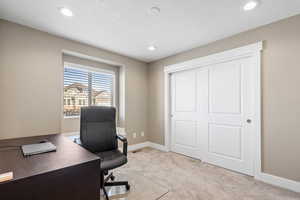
(229,138)
(185,111)
(212,110)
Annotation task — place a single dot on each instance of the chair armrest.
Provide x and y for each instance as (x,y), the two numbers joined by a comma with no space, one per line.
(124,140)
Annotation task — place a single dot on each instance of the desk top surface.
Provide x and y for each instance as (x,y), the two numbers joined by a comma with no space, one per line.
(67,154)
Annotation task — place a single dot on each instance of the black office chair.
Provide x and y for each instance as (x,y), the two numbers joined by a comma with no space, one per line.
(98,135)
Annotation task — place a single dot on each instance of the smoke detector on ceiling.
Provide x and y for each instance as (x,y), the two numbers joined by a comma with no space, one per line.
(154,10)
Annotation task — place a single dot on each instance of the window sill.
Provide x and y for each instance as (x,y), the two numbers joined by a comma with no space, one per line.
(120,131)
(71,117)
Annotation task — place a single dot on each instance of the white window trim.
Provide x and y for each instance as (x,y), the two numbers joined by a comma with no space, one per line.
(121,83)
(90,69)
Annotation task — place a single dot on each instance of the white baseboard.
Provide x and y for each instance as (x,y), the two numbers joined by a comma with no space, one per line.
(279,181)
(138,146)
(158,146)
(135,147)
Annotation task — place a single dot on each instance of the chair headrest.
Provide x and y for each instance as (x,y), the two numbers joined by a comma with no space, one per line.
(98,113)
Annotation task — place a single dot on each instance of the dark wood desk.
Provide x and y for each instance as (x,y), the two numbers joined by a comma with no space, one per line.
(70,173)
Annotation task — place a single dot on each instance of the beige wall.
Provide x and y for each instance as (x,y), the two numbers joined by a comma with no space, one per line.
(31,87)
(280,93)
(31,83)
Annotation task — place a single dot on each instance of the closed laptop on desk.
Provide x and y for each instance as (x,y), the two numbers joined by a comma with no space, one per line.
(32,149)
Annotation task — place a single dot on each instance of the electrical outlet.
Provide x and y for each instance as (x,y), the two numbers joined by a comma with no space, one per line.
(134,135)
(121,131)
(142,134)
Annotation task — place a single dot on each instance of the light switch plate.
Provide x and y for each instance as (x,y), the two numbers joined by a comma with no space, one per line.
(134,135)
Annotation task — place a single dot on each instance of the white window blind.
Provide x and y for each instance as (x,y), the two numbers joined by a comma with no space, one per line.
(86,87)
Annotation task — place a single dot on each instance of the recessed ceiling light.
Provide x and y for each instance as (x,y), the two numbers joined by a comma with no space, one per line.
(250,5)
(152,48)
(154,10)
(66,12)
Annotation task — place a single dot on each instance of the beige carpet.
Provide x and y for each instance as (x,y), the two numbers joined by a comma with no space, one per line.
(142,188)
(153,173)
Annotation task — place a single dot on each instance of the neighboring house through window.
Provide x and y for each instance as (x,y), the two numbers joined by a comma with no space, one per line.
(84,87)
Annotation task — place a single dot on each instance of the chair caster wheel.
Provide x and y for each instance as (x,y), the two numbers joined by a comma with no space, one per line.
(127,187)
(112,178)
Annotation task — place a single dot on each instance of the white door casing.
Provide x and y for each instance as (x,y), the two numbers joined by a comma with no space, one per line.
(213,123)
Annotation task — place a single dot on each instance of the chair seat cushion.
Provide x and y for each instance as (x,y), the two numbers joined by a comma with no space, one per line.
(111,159)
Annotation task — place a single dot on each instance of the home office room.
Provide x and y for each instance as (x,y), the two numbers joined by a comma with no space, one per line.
(152,100)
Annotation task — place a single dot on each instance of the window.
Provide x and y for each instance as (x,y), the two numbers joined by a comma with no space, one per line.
(84,87)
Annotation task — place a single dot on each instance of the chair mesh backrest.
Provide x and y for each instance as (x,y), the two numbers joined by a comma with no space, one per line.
(98,128)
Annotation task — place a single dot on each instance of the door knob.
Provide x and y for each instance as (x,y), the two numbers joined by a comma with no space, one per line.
(249,121)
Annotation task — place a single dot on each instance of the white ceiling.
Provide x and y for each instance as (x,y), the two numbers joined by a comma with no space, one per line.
(126,27)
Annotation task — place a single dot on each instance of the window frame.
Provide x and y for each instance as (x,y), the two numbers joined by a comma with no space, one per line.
(93,70)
